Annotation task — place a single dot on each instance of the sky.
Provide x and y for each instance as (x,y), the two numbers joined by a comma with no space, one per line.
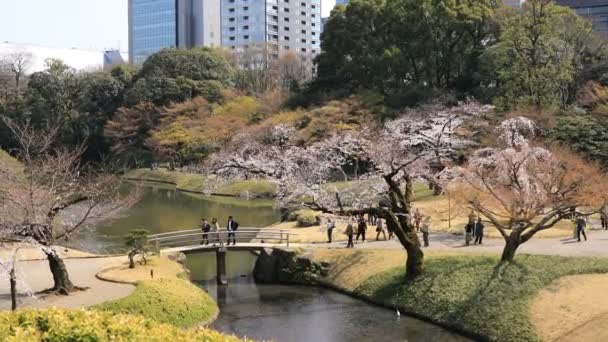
(84,24)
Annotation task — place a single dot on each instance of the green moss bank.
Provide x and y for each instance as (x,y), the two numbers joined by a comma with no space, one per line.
(196,183)
(173,301)
(474,294)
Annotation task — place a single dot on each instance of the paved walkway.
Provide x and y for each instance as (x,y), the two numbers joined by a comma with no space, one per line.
(597,245)
(82,273)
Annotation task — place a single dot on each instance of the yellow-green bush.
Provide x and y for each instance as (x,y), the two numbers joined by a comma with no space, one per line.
(84,325)
(304,217)
(173,301)
(258,188)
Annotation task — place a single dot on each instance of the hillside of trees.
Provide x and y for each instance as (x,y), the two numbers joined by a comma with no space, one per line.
(382,60)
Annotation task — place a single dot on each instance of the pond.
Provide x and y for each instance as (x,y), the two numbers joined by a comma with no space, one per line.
(298,313)
(165,209)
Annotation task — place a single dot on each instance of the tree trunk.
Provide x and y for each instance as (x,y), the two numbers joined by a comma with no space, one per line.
(131,260)
(63,284)
(512,243)
(413,266)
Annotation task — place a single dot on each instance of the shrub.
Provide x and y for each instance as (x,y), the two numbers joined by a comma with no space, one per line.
(304,218)
(83,325)
(172,301)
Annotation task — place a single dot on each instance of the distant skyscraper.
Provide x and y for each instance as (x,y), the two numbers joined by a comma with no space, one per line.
(595,11)
(344,2)
(158,24)
(276,26)
(514,3)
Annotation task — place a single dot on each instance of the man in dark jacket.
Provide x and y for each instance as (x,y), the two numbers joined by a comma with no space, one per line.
(580,228)
(231,227)
(478,231)
(468,232)
(362,227)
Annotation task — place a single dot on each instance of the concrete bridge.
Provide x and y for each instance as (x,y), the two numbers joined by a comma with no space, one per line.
(195,241)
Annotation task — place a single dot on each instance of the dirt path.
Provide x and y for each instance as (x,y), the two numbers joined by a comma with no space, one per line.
(82,272)
(597,245)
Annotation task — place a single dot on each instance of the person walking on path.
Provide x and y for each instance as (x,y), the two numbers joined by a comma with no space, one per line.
(425,228)
(478,231)
(215,228)
(580,228)
(205,227)
(417,219)
(330,229)
(232,227)
(350,231)
(468,232)
(604,216)
(361,228)
(380,229)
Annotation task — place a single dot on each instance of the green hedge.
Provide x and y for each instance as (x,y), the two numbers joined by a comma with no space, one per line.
(475,294)
(174,301)
(55,325)
(304,217)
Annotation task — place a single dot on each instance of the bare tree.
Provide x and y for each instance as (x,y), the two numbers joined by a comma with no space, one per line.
(50,196)
(16,63)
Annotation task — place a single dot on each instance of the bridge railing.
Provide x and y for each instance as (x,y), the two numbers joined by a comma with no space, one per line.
(195,237)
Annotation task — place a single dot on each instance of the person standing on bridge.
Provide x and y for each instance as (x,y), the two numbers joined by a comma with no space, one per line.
(205,227)
(215,229)
(232,227)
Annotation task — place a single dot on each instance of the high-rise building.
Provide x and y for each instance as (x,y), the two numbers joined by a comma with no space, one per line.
(344,2)
(273,26)
(596,11)
(514,3)
(158,24)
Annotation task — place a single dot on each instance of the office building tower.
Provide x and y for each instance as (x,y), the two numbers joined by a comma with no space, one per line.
(514,3)
(596,11)
(272,27)
(343,2)
(158,24)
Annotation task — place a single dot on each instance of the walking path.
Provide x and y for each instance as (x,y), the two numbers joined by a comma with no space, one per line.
(597,245)
(82,273)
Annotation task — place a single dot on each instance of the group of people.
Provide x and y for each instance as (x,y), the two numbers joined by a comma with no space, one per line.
(357,226)
(214,227)
(473,230)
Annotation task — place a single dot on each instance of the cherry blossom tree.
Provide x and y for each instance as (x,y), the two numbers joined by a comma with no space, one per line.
(524,189)
(50,196)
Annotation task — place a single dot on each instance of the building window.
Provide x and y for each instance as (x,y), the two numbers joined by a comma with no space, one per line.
(313,15)
(313,6)
(303,40)
(246,17)
(286,38)
(286,47)
(231,10)
(313,33)
(231,29)
(314,51)
(231,38)
(246,37)
(314,42)
(303,13)
(286,19)
(313,24)
(246,8)
(303,31)
(303,49)
(276,8)
(286,28)
(231,1)
(286,1)
(230,19)
(246,27)
(286,9)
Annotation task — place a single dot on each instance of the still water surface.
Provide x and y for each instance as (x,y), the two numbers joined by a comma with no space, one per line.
(165,209)
(299,313)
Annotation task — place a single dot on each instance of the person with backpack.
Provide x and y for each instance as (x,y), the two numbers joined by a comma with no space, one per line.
(232,227)
(350,231)
(468,231)
(205,227)
(361,228)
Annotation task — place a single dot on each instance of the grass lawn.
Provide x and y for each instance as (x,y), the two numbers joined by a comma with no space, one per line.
(166,299)
(473,294)
(196,183)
